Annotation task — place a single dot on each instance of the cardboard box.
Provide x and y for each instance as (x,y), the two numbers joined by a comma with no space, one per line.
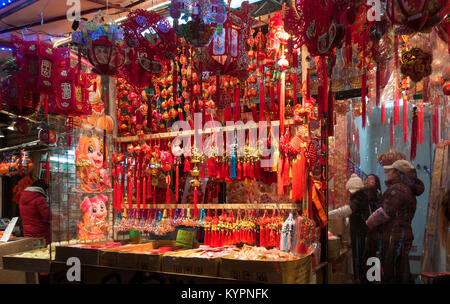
(271,272)
(177,263)
(87,256)
(20,245)
(135,260)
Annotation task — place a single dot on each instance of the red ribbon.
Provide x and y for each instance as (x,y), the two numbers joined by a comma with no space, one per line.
(391,123)
(177,182)
(195,201)
(272,98)
(436,120)
(262,100)
(281,101)
(363,99)
(415,123)
(378,84)
(405,118)
(396,84)
(420,117)
(168,189)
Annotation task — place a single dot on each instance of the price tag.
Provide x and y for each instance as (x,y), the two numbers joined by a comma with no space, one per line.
(185,238)
(8,230)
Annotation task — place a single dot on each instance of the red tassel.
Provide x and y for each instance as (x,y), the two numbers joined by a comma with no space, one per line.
(239,171)
(177,183)
(383,114)
(195,201)
(144,194)
(285,176)
(420,117)
(138,194)
(130,193)
(363,99)
(396,83)
(47,169)
(45,105)
(187,165)
(436,120)
(262,101)
(154,195)
(281,100)
(391,123)
(254,113)
(308,84)
(258,174)
(272,98)
(168,189)
(405,118)
(378,84)
(414,128)
(295,83)
(280,167)
(149,187)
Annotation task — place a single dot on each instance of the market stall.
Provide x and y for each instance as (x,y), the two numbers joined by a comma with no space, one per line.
(212,139)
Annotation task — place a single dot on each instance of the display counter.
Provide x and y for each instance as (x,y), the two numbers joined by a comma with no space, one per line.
(18,245)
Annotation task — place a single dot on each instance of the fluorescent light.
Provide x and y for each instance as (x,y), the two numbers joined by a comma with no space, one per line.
(2,135)
(11,128)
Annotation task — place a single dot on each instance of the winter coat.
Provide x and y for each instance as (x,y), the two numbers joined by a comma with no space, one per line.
(359,203)
(399,202)
(35,213)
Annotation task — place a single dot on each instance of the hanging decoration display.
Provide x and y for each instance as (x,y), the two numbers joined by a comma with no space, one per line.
(104,42)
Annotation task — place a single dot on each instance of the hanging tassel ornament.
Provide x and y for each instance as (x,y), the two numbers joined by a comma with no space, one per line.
(436,120)
(414,129)
(391,123)
(363,99)
(168,189)
(47,168)
(420,118)
(177,180)
(377,84)
(396,83)
(405,118)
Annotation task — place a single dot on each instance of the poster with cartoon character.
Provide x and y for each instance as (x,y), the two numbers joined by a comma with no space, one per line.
(93,225)
(90,167)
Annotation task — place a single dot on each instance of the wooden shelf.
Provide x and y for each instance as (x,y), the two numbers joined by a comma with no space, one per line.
(164,135)
(220,206)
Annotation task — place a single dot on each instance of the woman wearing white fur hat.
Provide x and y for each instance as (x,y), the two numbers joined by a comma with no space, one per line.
(358,211)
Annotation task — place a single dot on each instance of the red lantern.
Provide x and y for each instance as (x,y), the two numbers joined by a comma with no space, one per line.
(105,56)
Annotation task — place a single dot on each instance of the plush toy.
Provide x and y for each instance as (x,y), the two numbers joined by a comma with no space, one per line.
(90,164)
(93,225)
